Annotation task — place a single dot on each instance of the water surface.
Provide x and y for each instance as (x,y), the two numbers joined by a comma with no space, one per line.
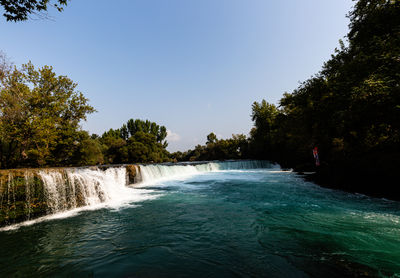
(235,223)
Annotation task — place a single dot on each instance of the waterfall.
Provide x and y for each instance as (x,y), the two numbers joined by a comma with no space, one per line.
(157,172)
(27,194)
(74,188)
(31,193)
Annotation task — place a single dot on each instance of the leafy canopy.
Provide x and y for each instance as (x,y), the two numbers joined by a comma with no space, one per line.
(39,117)
(19,10)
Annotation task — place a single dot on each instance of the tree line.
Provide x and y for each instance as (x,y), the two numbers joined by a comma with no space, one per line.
(40,114)
(350,110)
(236,147)
(348,113)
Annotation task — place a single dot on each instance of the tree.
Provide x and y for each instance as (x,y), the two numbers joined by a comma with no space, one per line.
(136,141)
(211,138)
(40,114)
(264,116)
(236,147)
(19,10)
(350,110)
(89,151)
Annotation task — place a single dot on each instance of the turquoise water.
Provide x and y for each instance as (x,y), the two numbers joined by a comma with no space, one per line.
(240,223)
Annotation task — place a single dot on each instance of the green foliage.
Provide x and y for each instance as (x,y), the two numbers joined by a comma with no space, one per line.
(211,138)
(39,117)
(264,116)
(223,149)
(135,141)
(40,114)
(19,10)
(89,151)
(350,110)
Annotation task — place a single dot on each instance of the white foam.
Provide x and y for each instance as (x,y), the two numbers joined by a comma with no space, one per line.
(133,196)
(73,190)
(157,173)
(68,192)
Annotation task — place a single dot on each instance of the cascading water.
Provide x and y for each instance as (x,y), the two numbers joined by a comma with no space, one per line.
(74,188)
(32,193)
(157,172)
(28,181)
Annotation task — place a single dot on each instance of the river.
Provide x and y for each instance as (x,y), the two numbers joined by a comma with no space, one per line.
(220,221)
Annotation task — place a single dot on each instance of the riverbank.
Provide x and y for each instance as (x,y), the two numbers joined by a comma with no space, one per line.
(354,178)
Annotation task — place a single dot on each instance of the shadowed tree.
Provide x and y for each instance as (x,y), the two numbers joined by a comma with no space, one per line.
(211,138)
(350,110)
(20,10)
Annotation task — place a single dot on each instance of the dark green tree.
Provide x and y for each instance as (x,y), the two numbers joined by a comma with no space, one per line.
(236,147)
(211,138)
(350,110)
(264,116)
(20,10)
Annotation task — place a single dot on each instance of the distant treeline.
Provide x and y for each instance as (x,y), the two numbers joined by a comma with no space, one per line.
(236,147)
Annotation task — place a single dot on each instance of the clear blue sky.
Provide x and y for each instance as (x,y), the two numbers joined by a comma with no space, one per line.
(195,66)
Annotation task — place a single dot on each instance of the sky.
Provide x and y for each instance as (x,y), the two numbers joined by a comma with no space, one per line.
(194,66)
